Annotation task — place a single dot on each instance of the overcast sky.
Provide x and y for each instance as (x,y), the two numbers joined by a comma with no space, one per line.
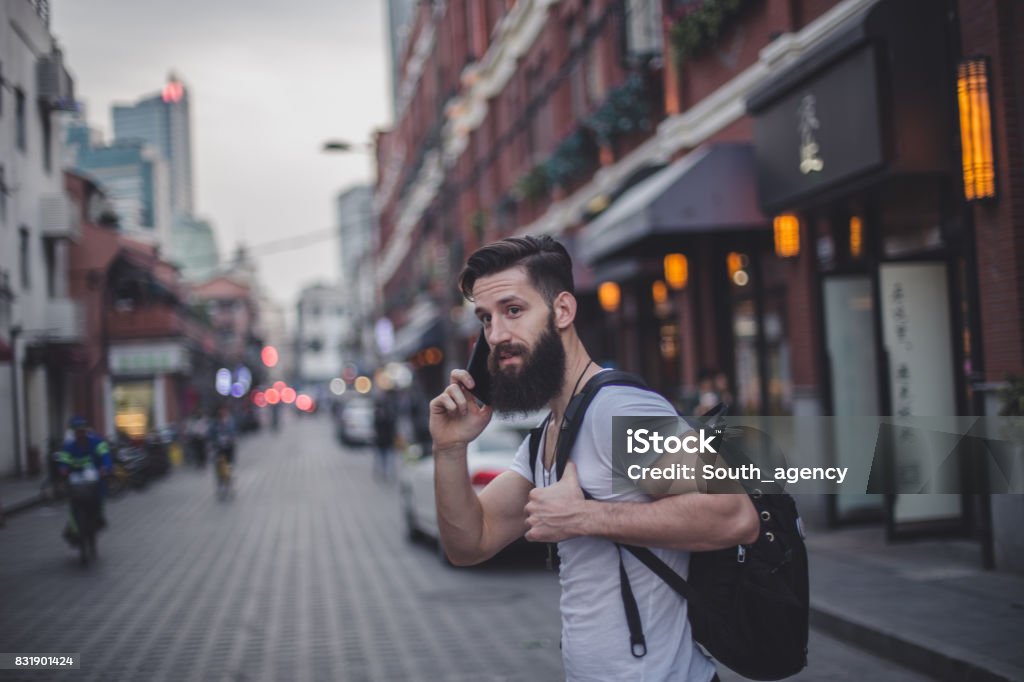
(269,82)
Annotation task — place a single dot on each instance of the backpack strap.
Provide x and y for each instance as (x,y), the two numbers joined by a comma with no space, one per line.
(535,436)
(576,410)
(662,570)
(571,423)
(572,420)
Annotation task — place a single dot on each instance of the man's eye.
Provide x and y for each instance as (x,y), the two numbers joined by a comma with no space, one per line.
(514,310)
(486,319)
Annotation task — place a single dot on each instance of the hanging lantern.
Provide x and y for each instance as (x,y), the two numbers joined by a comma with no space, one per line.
(787,235)
(677,270)
(856,236)
(659,292)
(609,295)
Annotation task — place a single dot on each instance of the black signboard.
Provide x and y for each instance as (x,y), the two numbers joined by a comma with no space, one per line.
(822,132)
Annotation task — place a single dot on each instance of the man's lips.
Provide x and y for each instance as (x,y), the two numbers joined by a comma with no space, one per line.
(505,357)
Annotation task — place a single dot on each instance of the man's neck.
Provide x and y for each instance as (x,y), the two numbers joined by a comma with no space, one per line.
(578,369)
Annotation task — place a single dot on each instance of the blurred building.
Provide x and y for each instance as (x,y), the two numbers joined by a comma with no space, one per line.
(148,359)
(323,330)
(273,330)
(399,17)
(356,232)
(133,175)
(41,328)
(163,121)
(490,92)
(228,303)
(816,201)
(193,247)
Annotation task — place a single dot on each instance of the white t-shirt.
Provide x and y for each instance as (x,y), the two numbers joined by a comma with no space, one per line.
(595,636)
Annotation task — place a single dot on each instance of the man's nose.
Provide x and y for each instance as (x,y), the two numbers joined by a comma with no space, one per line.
(498,333)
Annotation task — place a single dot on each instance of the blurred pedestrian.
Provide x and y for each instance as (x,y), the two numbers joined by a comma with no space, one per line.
(275,416)
(223,433)
(707,391)
(196,430)
(384,424)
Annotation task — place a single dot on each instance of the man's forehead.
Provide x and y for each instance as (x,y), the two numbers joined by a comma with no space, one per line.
(511,283)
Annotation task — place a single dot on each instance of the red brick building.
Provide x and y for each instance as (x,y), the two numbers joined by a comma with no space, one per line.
(802,164)
(147,357)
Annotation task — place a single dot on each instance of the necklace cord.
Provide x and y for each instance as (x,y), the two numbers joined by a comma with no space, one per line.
(545,474)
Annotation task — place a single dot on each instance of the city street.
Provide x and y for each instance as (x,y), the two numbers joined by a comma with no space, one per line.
(304,575)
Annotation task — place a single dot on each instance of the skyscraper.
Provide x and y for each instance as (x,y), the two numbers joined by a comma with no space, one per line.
(133,175)
(162,121)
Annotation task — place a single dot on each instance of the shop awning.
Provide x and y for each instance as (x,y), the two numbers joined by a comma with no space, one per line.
(711,189)
(422,330)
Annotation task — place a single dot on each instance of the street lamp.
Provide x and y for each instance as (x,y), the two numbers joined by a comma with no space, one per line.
(345,146)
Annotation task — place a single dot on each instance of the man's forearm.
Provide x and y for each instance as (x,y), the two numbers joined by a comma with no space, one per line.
(459,514)
(692,522)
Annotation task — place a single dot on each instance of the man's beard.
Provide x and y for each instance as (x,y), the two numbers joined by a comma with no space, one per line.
(538,380)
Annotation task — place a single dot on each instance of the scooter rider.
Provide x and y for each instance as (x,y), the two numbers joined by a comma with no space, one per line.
(82,450)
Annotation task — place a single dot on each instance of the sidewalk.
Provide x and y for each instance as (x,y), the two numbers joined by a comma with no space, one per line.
(926,605)
(19,494)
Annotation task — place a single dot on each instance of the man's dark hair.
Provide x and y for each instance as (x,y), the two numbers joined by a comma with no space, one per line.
(546,262)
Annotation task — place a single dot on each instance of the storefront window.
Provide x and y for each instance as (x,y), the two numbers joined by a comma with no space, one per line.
(133,407)
(760,341)
(911,219)
(777,370)
(748,369)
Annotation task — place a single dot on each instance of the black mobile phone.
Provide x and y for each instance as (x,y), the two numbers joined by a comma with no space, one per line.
(477,369)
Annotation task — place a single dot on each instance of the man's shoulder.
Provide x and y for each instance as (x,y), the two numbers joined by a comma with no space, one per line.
(622,400)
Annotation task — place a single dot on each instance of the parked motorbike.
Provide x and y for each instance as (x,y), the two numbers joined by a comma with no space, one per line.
(158,445)
(131,469)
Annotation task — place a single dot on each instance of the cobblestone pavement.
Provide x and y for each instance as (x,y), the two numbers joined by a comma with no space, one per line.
(304,575)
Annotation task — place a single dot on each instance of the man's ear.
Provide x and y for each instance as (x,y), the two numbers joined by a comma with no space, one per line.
(564,307)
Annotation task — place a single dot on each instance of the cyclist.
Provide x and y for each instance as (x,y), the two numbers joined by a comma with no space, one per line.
(223,432)
(83,450)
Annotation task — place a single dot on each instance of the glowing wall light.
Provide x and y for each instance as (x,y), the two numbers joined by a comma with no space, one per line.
(787,235)
(609,295)
(659,292)
(677,270)
(856,236)
(976,129)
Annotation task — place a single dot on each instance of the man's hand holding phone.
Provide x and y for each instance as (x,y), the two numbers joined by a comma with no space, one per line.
(455,417)
(478,369)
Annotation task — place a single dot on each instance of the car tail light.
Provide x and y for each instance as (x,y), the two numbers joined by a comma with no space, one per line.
(482,478)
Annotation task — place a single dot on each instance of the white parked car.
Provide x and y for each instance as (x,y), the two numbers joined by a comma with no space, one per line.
(355,422)
(486,457)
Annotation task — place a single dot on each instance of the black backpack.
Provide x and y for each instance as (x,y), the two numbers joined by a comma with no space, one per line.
(748,605)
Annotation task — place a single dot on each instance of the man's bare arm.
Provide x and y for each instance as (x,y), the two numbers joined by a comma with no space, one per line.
(693,521)
(472,528)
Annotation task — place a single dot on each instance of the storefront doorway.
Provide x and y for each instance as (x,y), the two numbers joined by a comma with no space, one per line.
(133,407)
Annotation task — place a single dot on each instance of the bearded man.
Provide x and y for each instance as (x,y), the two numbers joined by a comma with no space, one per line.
(522,288)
